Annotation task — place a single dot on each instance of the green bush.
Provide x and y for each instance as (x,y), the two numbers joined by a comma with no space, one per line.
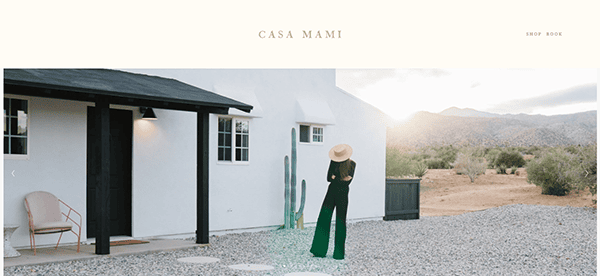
(509,159)
(555,171)
(447,154)
(501,169)
(513,170)
(535,150)
(587,167)
(420,169)
(491,154)
(397,163)
(437,164)
(402,164)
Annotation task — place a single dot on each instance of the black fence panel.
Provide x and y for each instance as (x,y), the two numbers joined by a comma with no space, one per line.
(402,199)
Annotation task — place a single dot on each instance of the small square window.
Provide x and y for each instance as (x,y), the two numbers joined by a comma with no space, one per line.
(317,134)
(311,134)
(304,134)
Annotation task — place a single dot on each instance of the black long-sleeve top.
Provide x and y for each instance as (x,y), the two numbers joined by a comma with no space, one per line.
(334,169)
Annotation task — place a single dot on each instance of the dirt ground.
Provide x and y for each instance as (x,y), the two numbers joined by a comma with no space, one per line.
(445,193)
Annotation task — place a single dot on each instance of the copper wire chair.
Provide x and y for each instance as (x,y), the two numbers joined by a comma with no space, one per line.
(45,217)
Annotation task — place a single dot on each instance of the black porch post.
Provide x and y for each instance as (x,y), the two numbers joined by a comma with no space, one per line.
(102,117)
(202,179)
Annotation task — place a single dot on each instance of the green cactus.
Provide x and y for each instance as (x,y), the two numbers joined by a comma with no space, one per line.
(302,199)
(287,193)
(290,214)
(293,180)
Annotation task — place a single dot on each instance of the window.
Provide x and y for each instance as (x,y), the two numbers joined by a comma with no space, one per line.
(241,141)
(15,126)
(311,134)
(224,139)
(317,135)
(233,144)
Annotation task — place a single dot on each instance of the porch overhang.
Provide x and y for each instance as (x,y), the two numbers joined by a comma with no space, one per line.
(116,87)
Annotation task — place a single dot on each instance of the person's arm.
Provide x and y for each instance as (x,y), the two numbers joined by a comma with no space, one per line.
(330,175)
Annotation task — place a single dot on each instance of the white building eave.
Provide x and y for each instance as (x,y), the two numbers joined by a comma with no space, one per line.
(314,111)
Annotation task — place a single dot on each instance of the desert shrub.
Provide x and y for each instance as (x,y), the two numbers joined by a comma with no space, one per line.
(420,169)
(402,164)
(513,170)
(501,169)
(397,164)
(587,167)
(573,149)
(475,151)
(437,164)
(535,150)
(470,165)
(509,159)
(521,149)
(559,170)
(447,154)
(491,154)
(423,156)
(438,157)
(555,171)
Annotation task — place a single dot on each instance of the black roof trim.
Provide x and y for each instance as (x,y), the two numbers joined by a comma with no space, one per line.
(118,86)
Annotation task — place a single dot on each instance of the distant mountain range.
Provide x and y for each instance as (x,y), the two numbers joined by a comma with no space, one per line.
(468,126)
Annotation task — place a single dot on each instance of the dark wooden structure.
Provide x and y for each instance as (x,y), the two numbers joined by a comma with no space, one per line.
(105,87)
(402,199)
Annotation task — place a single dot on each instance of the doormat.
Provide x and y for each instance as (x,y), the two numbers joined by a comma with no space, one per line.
(125,242)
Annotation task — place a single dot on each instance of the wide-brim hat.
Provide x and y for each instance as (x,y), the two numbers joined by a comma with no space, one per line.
(340,152)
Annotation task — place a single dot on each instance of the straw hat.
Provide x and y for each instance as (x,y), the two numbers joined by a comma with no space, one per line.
(340,152)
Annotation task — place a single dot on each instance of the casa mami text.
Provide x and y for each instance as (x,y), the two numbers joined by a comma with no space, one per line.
(303,34)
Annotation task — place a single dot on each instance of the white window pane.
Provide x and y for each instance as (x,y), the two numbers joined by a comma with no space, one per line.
(21,123)
(241,126)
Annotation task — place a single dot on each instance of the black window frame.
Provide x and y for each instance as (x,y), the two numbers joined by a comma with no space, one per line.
(12,117)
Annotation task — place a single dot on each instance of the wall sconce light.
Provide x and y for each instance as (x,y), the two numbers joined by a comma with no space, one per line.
(148,113)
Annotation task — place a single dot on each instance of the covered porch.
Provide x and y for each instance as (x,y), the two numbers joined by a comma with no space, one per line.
(49,255)
(104,88)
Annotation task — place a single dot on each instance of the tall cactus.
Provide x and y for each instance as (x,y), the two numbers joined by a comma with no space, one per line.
(290,214)
(286,210)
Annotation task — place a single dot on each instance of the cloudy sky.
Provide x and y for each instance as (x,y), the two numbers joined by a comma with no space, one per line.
(402,92)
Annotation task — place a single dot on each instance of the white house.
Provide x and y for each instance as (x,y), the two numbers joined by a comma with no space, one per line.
(204,166)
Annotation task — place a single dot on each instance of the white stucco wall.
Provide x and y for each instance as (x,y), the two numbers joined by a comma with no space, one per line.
(56,163)
(252,195)
(241,196)
(164,174)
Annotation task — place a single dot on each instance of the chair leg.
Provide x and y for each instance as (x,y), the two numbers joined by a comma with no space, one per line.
(60,237)
(32,237)
(78,241)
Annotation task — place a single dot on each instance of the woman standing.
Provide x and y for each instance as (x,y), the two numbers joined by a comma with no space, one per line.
(340,174)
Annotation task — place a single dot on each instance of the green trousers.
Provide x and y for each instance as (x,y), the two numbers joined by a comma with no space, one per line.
(336,198)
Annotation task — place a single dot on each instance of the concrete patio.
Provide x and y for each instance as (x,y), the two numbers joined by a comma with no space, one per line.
(69,253)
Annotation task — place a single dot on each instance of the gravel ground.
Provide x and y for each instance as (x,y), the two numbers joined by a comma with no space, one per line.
(508,240)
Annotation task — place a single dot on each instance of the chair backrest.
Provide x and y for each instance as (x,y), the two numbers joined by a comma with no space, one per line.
(43,206)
